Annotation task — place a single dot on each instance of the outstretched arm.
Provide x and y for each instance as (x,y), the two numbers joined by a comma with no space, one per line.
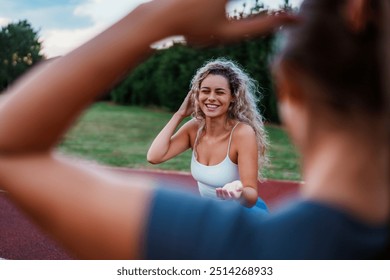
(167,145)
(94,215)
(248,168)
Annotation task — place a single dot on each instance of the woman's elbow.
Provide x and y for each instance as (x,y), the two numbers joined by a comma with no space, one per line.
(152,159)
(249,196)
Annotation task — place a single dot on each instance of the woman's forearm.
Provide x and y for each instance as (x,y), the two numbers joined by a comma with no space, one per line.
(160,146)
(249,196)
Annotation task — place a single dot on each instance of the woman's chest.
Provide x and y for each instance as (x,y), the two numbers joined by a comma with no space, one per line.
(214,151)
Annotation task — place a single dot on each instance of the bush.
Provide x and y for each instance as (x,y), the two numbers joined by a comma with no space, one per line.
(19,51)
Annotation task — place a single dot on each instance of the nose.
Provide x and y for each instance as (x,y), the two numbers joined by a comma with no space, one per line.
(211,96)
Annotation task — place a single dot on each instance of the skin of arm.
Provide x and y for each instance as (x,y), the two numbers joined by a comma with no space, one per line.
(166,145)
(96,215)
(244,143)
(74,203)
(247,164)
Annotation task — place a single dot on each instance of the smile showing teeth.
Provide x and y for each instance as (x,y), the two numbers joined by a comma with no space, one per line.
(210,106)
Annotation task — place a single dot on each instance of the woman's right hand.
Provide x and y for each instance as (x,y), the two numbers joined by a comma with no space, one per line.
(231,190)
(187,107)
(205,22)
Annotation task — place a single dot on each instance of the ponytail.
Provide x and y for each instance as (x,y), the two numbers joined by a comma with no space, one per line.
(385,27)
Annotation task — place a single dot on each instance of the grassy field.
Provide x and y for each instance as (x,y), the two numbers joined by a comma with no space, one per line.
(121,135)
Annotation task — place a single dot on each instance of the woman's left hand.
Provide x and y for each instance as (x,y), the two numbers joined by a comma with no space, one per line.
(231,190)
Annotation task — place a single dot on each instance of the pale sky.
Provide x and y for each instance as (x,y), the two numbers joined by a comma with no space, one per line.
(65,24)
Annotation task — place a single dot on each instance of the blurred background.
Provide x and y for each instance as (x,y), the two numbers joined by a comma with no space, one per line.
(119,127)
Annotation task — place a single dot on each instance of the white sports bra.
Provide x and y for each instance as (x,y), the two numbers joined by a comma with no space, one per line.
(214,176)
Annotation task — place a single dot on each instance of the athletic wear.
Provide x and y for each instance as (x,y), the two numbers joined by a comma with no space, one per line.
(210,177)
(183,226)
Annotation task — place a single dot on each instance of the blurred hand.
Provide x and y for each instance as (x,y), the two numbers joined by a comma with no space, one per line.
(357,14)
(231,190)
(205,22)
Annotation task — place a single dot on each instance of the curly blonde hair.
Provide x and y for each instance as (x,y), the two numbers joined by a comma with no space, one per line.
(245,95)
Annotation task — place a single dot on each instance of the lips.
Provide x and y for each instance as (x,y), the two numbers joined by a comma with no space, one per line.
(211,106)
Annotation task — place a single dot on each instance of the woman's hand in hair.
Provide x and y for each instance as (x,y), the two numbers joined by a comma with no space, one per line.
(187,107)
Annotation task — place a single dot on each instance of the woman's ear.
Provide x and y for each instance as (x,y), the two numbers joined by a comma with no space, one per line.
(357,14)
(291,103)
(288,84)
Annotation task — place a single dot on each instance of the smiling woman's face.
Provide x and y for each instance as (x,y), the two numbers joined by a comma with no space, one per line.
(215,96)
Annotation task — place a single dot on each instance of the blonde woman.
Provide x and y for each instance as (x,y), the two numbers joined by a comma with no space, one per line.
(226,134)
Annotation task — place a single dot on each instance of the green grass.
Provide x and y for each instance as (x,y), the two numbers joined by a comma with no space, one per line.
(121,135)
(283,157)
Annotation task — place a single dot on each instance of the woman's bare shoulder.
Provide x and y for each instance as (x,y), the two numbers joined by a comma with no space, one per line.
(243,130)
(192,125)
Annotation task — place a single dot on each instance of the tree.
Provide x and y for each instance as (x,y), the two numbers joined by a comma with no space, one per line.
(19,50)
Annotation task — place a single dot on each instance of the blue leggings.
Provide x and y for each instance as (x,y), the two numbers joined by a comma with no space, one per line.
(259,208)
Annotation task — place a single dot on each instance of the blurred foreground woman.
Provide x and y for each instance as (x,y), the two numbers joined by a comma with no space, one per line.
(331,84)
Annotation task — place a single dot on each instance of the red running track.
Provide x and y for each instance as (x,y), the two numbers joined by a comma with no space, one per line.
(21,239)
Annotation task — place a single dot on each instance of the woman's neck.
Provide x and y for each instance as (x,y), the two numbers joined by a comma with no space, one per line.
(217,126)
(350,172)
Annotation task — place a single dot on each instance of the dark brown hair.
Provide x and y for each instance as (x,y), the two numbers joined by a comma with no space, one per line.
(353,65)
(345,62)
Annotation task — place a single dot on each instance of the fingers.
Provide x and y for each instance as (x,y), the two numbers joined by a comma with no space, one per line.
(228,194)
(222,193)
(235,30)
(189,94)
(189,102)
(357,14)
(204,22)
(257,25)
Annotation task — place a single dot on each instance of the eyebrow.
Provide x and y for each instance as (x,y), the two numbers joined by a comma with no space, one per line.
(215,89)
